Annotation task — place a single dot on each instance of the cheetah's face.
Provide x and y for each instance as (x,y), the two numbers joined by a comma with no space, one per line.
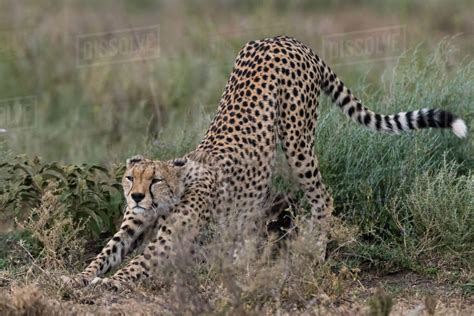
(151,186)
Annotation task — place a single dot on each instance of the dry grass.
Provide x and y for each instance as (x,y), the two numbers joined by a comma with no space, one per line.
(59,236)
(269,278)
(429,298)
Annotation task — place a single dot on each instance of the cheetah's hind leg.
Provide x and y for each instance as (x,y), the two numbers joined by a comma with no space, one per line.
(304,165)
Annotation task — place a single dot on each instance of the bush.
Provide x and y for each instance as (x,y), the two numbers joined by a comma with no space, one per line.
(60,238)
(89,193)
(437,216)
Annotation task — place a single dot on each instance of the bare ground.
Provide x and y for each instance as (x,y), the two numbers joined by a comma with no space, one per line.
(410,294)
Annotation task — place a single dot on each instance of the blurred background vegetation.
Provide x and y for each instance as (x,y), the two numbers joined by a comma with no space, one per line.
(86,118)
(107,112)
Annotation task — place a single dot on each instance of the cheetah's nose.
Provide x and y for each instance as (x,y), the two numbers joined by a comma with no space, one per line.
(137,197)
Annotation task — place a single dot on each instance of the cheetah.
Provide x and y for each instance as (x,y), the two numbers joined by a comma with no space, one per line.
(271,97)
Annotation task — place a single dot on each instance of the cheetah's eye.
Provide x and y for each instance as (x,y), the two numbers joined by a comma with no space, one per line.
(156,180)
(129,178)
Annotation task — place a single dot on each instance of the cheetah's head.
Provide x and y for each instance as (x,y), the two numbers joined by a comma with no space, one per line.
(151,185)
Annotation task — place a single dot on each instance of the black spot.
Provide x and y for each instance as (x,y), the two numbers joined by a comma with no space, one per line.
(345,101)
(367,119)
(137,222)
(351,111)
(130,232)
(338,92)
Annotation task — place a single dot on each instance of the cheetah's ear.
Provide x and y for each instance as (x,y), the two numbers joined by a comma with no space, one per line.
(179,166)
(180,162)
(134,160)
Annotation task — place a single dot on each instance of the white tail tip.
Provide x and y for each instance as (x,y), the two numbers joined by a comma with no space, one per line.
(459,128)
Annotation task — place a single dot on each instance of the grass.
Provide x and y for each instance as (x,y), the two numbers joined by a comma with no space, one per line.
(403,203)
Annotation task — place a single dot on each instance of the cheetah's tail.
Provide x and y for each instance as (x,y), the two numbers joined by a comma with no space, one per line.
(395,123)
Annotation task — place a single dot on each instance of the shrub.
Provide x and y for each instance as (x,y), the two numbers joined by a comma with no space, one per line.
(61,240)
(437,215)
(89,193)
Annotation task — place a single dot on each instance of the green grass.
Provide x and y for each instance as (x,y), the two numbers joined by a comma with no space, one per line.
(410,195)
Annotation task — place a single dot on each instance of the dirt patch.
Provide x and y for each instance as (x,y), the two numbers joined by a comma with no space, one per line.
(408,293)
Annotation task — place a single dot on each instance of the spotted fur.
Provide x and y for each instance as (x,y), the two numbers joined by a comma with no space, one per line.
(271,95)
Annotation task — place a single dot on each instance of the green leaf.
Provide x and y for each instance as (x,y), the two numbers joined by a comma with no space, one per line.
(100,168)
(38,181)
(22,167)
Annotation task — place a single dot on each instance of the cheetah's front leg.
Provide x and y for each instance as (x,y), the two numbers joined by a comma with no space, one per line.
(179,229)
(133,225)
